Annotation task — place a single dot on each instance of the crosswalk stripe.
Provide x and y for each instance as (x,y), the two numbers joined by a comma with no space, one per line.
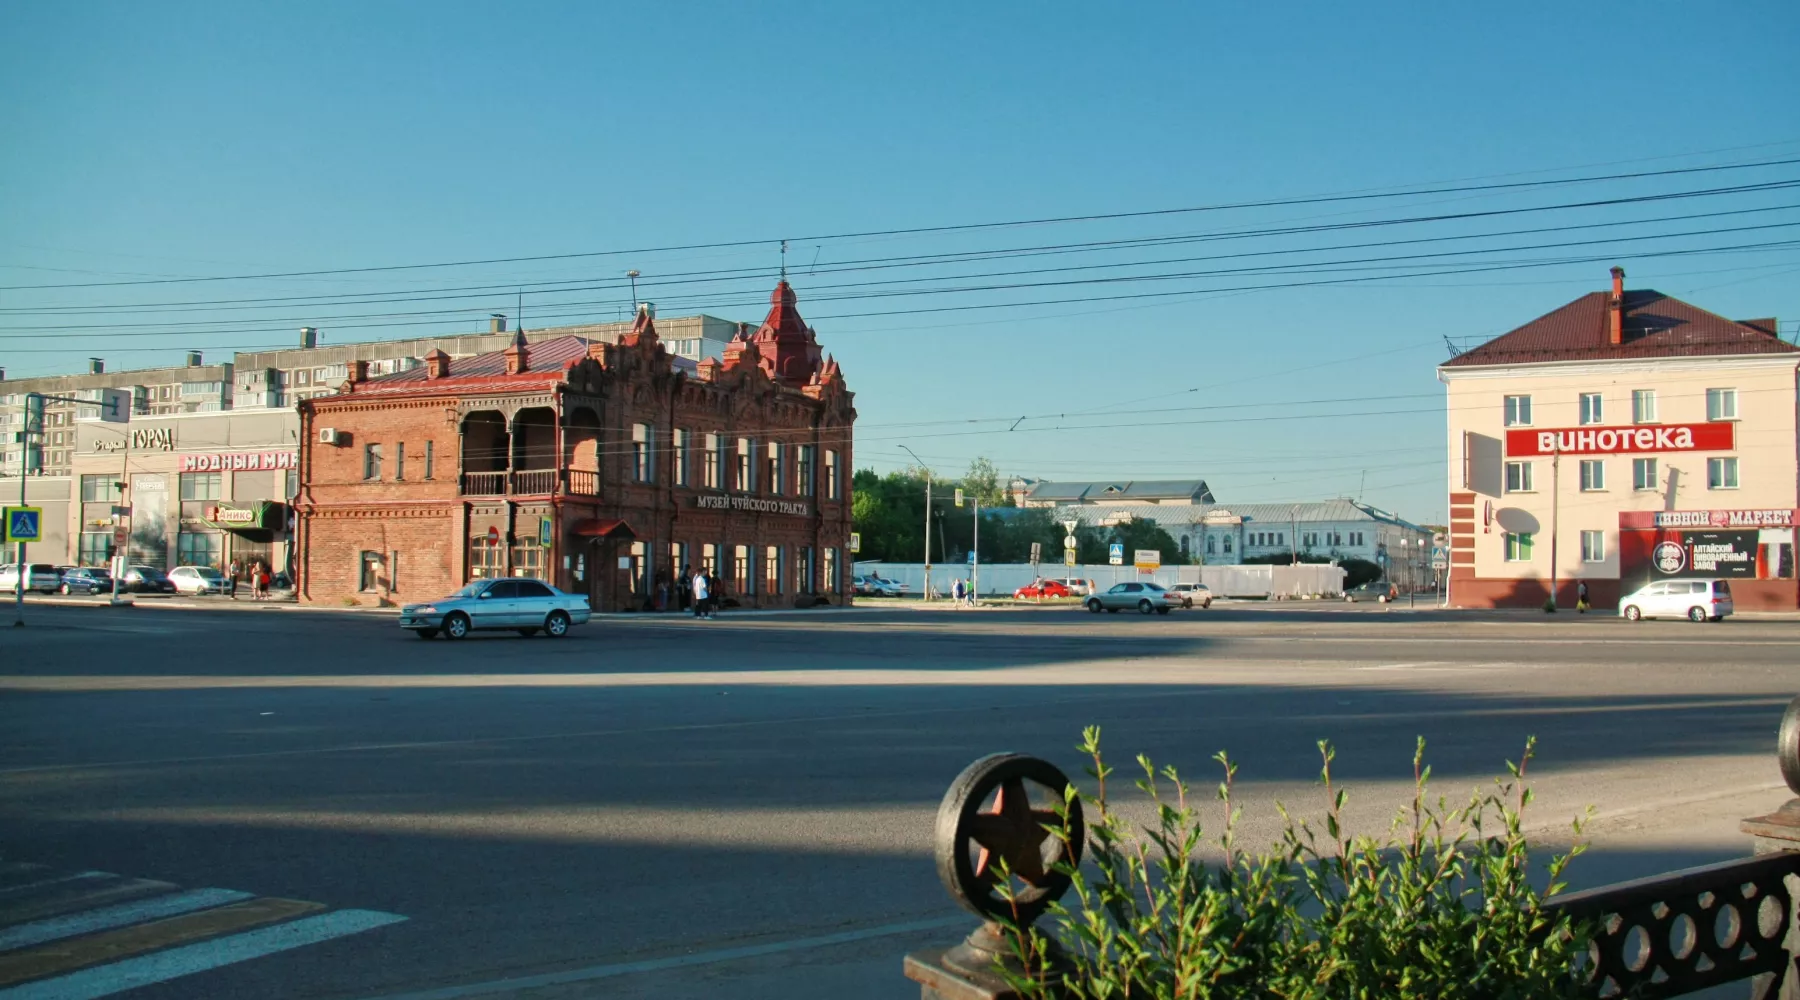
(186,960)
(57,880)
(120,915)
(124,943)
(117,890)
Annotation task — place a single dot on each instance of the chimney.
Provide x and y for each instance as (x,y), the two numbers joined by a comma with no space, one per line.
(96,366)
(496,322)
(437,363)
(2,374)
(309,337)
(358,372)
(193,359)
(1616,306)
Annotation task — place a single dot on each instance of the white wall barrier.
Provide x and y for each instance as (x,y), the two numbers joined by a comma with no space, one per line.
(1001,579)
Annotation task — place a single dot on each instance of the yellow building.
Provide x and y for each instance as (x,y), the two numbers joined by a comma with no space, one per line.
(1623,438)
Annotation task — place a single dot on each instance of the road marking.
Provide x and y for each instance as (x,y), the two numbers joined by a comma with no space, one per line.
(187,960)
(122,889)
(106,918)
(594,972)
(112,946)
(40,883)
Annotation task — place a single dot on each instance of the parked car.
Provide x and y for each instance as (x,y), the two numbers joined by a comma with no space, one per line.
(41,577)
(1078,587)
(518,603)
(1379,591)
(145,580)
(1192,594)
(1145,597)
(870,585)
(1695,600)
(85,580)
(200,580)
(1042,589)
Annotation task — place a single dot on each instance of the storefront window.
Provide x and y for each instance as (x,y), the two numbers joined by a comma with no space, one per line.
(95,549)
(709,558)
(772,568)
(741,576)
(485,560)
(198,548)
(528,558)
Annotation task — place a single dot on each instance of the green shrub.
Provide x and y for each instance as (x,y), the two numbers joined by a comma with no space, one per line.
(1439,907)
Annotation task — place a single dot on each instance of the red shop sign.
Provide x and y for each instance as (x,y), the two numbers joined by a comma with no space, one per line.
(1621,440)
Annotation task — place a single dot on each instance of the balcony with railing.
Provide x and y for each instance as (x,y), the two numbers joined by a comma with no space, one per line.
(530,481)
(580,483)
(484,484)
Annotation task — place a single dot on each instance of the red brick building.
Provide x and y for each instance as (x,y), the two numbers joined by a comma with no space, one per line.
(606,469)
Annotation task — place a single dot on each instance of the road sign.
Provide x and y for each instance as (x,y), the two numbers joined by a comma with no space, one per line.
(1115,554)
(856,541)
(22,524)
(971,557)
(959,497)
(1069,542)
(493,536)
(1147,560)
(1037,552)
(544,532)
(1068,557)
(1069,526)
(1440,558)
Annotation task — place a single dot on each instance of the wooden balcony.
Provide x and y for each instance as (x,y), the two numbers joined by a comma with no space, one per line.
(498,484)
(586,484)
(484,484)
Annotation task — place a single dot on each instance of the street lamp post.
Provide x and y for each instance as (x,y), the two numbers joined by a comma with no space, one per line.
(926,596)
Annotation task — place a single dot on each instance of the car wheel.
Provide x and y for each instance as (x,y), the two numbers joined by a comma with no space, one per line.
(66,591)
(1208,604)
(426,633)
(1094,606)
(557,625)
(1144,608)
(1632,613)
(456,626)
(1697,614)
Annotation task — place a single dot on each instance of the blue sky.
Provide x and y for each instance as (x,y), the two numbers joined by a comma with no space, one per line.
(188,139)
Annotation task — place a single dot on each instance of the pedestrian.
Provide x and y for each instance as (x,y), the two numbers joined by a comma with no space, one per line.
(262,581)
(701,592)
(684,588)
(715,592)
(662,592)
(956,590)
(237,576)
(1581,599)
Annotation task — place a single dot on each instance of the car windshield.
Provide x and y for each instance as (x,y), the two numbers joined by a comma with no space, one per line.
(473,588)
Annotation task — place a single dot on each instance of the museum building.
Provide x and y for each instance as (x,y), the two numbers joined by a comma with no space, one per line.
(606,469)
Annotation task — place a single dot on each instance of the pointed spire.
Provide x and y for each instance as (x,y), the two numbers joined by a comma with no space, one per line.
(789,349)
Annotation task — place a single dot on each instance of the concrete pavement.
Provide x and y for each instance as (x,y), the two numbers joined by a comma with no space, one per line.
(662,807)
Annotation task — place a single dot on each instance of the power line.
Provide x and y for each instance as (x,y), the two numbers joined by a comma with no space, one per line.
(921,230)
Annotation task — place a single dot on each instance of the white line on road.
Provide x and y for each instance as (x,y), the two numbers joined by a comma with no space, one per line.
(162,966)
(108,917)
(40,883)
(594,972)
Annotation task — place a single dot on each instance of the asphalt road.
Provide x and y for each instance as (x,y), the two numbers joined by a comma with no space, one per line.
(742,807)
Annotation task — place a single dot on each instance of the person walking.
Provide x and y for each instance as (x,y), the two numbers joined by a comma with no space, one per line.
(956,590)
(237,577)
(261,588)
(684,588)
(701,592)
(1581,598)
(714,593)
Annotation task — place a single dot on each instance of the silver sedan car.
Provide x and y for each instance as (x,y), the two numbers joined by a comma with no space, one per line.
(517,603)
(1145,597)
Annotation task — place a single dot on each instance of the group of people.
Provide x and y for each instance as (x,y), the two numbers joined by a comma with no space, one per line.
(696,591)
(257,575)
(963,591)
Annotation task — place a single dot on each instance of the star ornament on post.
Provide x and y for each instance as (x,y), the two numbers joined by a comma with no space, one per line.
(987,817)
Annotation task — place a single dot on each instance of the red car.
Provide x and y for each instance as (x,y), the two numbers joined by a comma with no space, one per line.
(1042,589)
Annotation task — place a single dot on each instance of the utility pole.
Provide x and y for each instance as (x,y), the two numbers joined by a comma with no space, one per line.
(975,555)
(1555,512)
(926,596)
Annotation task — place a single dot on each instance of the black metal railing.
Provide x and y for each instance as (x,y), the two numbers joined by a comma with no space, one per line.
(1686,931)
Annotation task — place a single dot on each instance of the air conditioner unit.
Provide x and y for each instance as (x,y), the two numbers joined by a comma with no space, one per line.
(328,435)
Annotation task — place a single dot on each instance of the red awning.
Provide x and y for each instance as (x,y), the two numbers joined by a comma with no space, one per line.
(595,527)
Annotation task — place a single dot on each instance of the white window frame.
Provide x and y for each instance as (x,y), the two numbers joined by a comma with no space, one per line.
(1592,408)
(1516,411)
(678,455)
(1721,405)
(1643,406)
(1596,482)
(1593,546)
(1518,546)
(643,461)
(1521,483)
(1638,480)
(1722,473)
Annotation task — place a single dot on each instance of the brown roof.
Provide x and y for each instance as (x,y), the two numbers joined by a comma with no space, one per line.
(1656,326)
(548,359)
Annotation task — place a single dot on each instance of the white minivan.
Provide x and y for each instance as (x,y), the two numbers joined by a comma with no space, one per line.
(1695,600)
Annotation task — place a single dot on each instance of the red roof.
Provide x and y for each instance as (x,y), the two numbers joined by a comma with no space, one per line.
(1656,326)
(546,361)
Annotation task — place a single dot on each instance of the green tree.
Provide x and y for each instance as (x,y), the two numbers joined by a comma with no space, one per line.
(983,481)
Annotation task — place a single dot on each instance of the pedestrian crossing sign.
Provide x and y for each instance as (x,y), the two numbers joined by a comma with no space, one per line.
(23,524)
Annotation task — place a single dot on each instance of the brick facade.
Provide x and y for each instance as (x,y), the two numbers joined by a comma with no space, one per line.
(639,464)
